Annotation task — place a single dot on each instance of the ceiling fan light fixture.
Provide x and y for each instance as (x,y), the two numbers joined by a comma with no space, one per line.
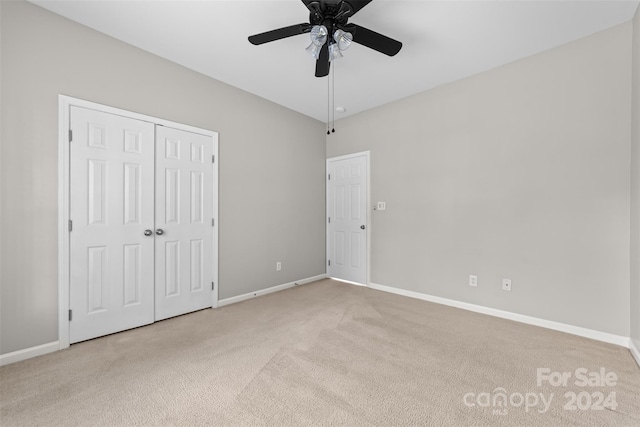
(318,35)
(314,50)
(334,14)
(343,39)
(334,52)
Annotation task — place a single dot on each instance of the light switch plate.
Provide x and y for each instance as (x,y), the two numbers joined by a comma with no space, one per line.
(382,206)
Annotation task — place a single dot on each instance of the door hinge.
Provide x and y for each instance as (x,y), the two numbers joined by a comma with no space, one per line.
(70,135)
(213,222)
(213,286)
(329,220)
(329,263)
(70,315)
(329,177)
(70,226)
(213,158)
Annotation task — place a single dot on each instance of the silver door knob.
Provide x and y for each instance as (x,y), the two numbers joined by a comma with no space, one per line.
(148,232)
(159,231)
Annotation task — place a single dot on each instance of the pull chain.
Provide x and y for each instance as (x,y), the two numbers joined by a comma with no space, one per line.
(333,99)
(328,106)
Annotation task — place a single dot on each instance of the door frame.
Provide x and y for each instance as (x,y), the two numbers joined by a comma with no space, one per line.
(367,155)
(64,112)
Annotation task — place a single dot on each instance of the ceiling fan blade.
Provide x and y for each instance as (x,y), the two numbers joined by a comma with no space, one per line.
(376,41)
(322,64)
(308,2)
(280,33)
(356,5)
(312,5)
(315,11)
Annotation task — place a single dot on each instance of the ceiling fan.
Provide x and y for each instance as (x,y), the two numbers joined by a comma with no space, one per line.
(331,33)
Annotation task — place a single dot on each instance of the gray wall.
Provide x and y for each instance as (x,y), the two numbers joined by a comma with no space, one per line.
(635,186)
(271,163)
(521,172)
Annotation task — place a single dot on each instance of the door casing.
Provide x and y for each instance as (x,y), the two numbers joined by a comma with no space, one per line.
(367,155)
(64,106)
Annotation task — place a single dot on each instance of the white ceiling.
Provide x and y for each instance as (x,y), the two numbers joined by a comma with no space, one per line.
(443,41)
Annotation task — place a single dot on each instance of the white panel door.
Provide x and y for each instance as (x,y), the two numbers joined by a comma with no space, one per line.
(184,213)
(347,218)
(112,204)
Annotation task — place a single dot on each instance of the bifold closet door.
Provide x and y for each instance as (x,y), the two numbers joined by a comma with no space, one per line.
(184,228)
(141,231)
(112,204)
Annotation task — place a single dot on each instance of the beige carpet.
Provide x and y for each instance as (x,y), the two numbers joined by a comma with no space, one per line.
(326,353)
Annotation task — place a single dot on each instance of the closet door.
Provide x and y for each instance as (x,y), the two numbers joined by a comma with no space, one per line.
(112,214)
(184,228)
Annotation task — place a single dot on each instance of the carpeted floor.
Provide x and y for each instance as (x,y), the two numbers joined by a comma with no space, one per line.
(326,353)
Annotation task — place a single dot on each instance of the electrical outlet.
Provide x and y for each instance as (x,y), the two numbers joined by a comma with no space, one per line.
(506,284)
(473,280)
(278,266)
(382,206)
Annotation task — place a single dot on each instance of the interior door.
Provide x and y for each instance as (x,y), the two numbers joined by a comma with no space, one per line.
(112,204)
(347,218)
(184,227)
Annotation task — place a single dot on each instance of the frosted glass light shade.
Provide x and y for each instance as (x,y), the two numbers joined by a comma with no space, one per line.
(334,52)
(318,34)
(314,50)
(343,39)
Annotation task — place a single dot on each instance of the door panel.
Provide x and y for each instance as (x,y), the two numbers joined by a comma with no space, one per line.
(184,211)
(111,260)
(131,274)
(197,265)
(346,205)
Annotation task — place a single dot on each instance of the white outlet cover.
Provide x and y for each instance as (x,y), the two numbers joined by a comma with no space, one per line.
(382,206)
(473,280)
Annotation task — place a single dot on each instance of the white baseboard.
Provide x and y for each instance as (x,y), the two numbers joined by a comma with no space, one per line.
(346,281)
(28,353)
(244,297)
(556,326)
(40,350)
(635,351)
